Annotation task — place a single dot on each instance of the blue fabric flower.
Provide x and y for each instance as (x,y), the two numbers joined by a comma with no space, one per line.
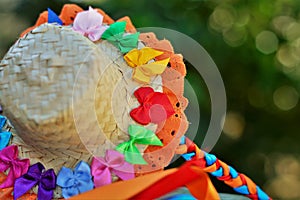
(53,18)
(4,135)
(75,182)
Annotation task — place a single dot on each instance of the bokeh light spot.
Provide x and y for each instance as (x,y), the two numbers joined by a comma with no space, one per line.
(285,182)
(235,36)
(266,42)
(222,18)
(285,97)
(243,17)
(234,125)
(285,187)
(281,23)
(287,165)
(285,56)
(292,31)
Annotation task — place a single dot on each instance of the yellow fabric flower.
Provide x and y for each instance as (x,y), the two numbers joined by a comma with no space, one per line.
(143,69)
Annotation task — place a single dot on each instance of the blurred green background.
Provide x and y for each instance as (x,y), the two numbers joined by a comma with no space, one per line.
(256,46)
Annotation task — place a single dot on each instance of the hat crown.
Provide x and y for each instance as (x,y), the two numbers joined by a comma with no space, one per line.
(45,76)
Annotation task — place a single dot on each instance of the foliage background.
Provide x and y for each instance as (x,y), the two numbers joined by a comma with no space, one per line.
(256,46)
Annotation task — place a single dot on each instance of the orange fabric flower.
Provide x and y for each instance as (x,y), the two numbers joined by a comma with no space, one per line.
(173,86)
(7,193)
(161,45)
(129,26)
(106,19)
(68,13)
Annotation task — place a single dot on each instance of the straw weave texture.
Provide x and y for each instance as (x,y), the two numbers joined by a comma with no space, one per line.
(68,98)
(38,76)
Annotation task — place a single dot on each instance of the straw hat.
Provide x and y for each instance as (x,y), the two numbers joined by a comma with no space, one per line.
(69,98)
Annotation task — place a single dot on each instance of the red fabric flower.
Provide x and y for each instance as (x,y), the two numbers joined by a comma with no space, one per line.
(155,106)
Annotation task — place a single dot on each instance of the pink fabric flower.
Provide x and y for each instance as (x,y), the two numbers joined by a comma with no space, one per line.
(112,162)
(89,24)
(9,161)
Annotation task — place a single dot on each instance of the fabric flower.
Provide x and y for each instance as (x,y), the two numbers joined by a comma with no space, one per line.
(89,23)
(154,106)
(53,18)
(143,69)
(112,163)
(4,135)
(36,175)
(7,193)
(68,13)
(75,182)
(9,160)
(115,34)
(138,135)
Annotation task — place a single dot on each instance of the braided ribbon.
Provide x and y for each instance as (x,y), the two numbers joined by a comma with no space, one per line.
(9,160)
(115,34)
(211,164)
(139,59)
(36,175)
(113,162)
(138,135)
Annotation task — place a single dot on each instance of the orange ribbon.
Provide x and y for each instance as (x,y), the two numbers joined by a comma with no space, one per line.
(150,185)
(7,193)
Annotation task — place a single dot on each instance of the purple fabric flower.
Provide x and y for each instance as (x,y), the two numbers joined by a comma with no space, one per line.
(36,175)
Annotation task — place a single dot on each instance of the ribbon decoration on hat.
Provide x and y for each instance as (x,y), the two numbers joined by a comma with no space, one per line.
(36,175)
(115,34)
(112,163)
(9,160)
(75,182)
(89,23)
(7,193)
(53,18)
(143,69)
(138,135)
(3,120)
(154,106)
(4,135)
(69,12)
